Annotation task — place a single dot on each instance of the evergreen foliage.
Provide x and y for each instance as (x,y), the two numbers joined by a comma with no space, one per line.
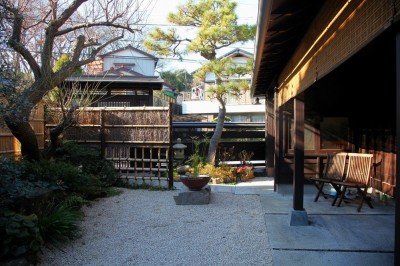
(214,26)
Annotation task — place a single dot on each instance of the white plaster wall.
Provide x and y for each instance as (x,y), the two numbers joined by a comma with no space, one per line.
(143,64)
(207,107)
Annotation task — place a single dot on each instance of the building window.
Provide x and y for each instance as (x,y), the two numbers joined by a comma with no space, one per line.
(142,92)
(113,104)
(255,118)
(309,136)
(122,92)
(331,135)
(129,92)
(334,132)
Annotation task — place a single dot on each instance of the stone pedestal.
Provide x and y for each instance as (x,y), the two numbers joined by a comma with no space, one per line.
(190,197)
(297,218)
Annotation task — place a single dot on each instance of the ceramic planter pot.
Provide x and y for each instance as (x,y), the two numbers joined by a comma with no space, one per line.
(195,183)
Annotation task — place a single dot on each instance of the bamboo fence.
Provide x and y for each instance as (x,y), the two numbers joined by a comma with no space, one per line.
(137,140)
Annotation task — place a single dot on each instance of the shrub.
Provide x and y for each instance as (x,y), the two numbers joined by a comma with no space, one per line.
(63,174)
(19,234)
(75,202)
(40,201)
(70,177)
(245,156)
(91,178)
(59,223)
(18,185)
(9,167)
(89,160)
(219,174)
(245,172)
(50,171)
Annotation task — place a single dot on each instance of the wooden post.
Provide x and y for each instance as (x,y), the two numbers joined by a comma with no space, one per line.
(170,151)
(278,140)
(269,139)
(102,134)
(298,175)
(397,192)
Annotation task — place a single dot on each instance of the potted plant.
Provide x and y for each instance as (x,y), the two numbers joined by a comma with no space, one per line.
(193,179)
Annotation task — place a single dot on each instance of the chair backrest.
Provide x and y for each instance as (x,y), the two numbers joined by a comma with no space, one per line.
(335,166)
(359,168)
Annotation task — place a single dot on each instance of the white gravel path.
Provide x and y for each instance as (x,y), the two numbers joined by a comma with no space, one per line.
(142,227)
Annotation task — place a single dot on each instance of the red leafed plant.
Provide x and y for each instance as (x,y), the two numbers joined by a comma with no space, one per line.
(245,171)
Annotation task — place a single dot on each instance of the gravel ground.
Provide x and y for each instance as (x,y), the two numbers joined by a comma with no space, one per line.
(142,227)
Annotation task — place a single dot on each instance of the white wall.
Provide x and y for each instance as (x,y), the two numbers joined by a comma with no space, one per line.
(143,64)
(207,107)
(240,60)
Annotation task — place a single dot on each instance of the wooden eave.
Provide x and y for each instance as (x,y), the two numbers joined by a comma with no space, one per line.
(281,25)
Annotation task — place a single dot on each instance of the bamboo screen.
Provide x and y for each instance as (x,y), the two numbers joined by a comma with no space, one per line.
(137,140)
(119,125)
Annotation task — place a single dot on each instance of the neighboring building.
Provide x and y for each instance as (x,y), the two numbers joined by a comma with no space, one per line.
(168,95)
(239,109)
(122,78)
(128,61)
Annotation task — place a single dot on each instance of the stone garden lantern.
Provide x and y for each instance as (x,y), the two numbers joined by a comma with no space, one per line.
(179,150)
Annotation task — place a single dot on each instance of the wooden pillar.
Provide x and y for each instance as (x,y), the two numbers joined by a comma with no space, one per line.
(278,140)
(269,139)
(397,189)
(298,175)
(170,151)
(102,132)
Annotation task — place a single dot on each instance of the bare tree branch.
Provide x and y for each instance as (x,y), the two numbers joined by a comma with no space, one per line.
(39,31)
(15,39)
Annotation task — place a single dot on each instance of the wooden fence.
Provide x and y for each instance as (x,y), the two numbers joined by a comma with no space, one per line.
(10,146)
(137,140)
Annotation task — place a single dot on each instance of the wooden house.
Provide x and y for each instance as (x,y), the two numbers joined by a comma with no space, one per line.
(330,74)
(122,78)
(332,62)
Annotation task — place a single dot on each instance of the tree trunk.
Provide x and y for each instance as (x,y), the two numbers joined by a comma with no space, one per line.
(67,121)
(54,142)
(216,137)
(26,136)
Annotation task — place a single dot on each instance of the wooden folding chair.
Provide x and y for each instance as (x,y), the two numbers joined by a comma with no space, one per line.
(333,170)
(357,176)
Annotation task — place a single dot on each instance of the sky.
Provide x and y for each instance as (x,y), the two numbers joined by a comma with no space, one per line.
(247,11)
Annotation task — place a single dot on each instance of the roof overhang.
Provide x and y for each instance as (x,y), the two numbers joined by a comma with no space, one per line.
(280,27)
(114,78)
(153,82)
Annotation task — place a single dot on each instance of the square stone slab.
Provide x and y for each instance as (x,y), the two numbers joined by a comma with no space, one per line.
(189,197)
